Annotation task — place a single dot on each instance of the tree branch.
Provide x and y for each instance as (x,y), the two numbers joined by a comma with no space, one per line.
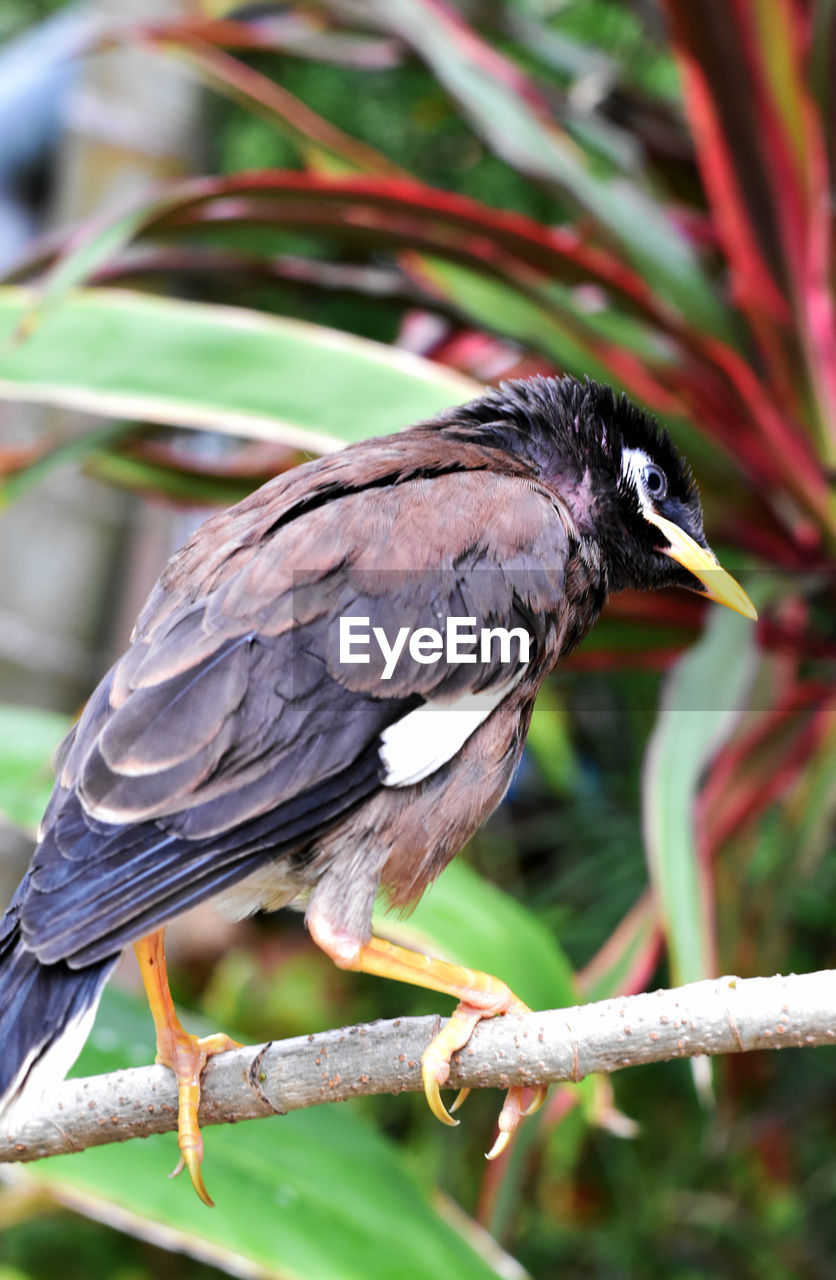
(726,1015)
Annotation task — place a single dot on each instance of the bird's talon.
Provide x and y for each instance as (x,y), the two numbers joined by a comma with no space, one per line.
(192,1162)
(459,1099)
(540,1095)
(511,1114)
(178,1168)
(436,1106)
(502,1140)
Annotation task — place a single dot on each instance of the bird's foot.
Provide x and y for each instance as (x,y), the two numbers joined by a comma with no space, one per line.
(186,1055)
(480,996)
(435,1063)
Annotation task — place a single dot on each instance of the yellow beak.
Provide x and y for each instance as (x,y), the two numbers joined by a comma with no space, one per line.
(704,565)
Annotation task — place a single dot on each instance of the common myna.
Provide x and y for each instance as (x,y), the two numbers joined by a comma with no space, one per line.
(326,694)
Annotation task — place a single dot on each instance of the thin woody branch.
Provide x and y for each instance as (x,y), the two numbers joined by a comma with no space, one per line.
(726,1015)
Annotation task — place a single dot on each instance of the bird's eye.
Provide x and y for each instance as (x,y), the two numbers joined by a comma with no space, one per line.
(655,481)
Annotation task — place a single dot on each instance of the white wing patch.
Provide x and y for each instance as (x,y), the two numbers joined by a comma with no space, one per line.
(426,738)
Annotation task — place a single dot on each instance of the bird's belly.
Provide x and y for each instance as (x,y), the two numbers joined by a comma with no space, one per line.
(401,838)
(267,889)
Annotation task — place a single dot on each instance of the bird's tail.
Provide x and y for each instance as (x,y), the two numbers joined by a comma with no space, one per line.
(46,1012)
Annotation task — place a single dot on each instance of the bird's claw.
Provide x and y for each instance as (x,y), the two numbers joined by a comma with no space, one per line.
(187,1056)
(501,1142)
(436,1106)
(184,1054)
(512,1113)
(435,1070)
(434,1073)
(435,1063)
(540,1095)
(192,1161)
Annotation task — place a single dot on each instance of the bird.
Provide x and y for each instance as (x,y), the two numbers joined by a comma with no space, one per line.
(291,724)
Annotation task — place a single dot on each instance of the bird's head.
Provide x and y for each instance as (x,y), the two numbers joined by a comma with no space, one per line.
(621,476)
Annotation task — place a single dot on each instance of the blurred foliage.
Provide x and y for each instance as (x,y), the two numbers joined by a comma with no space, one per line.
(673,238)
(19,15)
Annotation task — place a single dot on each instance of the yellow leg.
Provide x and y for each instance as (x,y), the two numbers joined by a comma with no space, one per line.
(185,1054)
(480,996)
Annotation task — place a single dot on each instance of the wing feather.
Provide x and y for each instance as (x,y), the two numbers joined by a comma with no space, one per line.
(231,734)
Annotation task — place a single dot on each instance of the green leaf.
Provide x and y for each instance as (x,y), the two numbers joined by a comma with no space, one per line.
(77,449)
(98,240)
(701,704)
(316,1195)
(630,950)
(510,114)
(226,369)
(28,741)
(550,742)
(503,309)
(612,347)
(464,918)
(142,475)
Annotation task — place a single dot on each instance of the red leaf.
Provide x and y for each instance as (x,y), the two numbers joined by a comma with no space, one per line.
(759,768)
(717,96)
(552,251)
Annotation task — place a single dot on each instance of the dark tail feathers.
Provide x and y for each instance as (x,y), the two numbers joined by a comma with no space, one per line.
(46,1012)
